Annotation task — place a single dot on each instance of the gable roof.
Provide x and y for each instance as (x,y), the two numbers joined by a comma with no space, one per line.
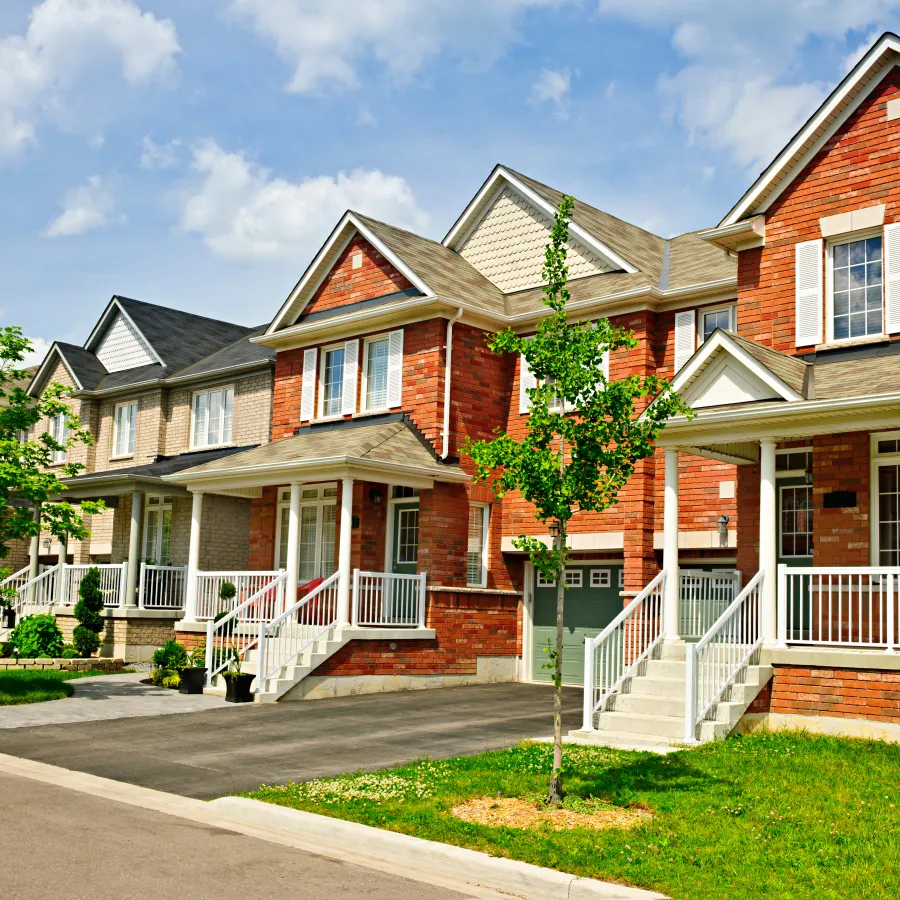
(820,126)
(86,370)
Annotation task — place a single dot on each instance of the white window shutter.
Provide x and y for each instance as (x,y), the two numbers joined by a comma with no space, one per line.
(808,283)
(308,388)
(526,381)
(351,370)
(685,336)
(395,369)
(892,278)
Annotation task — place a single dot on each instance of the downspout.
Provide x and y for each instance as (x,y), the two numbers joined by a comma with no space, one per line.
(445,450)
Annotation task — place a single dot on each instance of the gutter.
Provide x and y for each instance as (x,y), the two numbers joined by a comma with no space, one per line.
(445,445)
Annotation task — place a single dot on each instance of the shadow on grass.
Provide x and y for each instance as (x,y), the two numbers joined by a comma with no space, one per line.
(32,687)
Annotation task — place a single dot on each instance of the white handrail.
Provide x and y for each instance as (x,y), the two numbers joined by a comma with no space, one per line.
(718,657)
(627,641)
(17,575)
(38,594)
(236,630)
(209,604)
(298,627)
(387,599)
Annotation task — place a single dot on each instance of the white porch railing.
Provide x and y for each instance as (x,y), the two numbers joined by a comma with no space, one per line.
(846,607)
(17,579)
(284,638)
(627,641)
(703,597)
(162,587)
(248,584)
(717,658)
(112,583)
(384,599)
(237,631)
(37,595)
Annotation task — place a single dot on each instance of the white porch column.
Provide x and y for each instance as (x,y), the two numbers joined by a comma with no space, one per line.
(768,538)
(343,603)
(293,547)
(134,547)
(670,547)
(61,583)
(190,601)
(34,556)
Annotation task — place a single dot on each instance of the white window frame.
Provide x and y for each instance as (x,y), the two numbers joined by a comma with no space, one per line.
(284,502)
(574,578)
(622,577)
(129,451)
(781,490)
(224,388)
(704,311)
(157,503)
(601,578)
(364,399)
(485,529)
(829,285)
(320,401)
(543,581)
(793,473)
(876,460)
(58,427)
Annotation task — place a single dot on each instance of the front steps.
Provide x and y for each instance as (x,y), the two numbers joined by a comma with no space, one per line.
(648,712)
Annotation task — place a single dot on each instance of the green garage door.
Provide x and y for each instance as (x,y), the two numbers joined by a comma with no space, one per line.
(592,602)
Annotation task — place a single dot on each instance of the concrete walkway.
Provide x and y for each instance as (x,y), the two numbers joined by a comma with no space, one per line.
(107,697)
(235,749)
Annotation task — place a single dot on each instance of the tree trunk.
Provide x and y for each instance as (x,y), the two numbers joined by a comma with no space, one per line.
(556,791)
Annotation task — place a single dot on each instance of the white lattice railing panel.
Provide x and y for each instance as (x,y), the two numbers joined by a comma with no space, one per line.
(703,597)
(162,587)
(383,599)
(248,584)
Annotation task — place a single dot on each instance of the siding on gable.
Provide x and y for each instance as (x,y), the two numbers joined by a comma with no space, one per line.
(123,348)
(507,246)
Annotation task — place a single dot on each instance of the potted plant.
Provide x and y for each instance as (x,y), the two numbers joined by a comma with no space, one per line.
(227,593)
(193,675)
(237,683)
(169,660)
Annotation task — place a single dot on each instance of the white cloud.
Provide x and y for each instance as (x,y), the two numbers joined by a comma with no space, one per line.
(862,49)
(63,41)
(159,156)
(326,41)
(86,208)
(243,212)
(365,117)
(39,349)
(553,86)
(737,89)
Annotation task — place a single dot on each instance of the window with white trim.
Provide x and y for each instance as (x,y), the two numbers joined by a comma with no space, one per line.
(124,429)
(796,531)
(621,577)
(331,379)
(318,521)
(59,431)
(376,356)
(544,582)
(856,287)
(212,414)
(574,578)
(721,317)
(477,552)
(158,530)
(601,578)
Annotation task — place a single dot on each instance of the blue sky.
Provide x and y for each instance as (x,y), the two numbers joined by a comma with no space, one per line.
(196,154)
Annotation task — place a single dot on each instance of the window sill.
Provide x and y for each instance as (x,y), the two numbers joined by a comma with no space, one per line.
(193,449)
(855,342)
(123,456)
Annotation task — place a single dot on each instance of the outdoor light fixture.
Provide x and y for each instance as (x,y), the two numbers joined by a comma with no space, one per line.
(375,496)
(47,544)
(723,526)
(554,529)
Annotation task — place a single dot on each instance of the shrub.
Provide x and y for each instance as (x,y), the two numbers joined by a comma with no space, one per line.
(6,650)
(163,677)
(171,655)
(172,680)
(69,652)
(37,636)
(86,636)
(227,591)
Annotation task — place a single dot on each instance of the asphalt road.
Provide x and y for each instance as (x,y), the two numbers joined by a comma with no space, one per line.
(64,843)
(235,749)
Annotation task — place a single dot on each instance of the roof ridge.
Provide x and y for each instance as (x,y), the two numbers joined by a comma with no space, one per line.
(181,312)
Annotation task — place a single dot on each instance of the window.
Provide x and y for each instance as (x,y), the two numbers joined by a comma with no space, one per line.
(408,535)
(158,530)
(573,578)
(721,317)
(476,558)
(600,578)
(544,582)
(213,412)
(124,429)
(796,521)
(318,521)
(398,492)
(375,373)
(332,392)
(59,431)
(793,461)
(621,578)
(856,288)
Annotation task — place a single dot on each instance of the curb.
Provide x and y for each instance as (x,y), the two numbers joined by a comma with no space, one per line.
(376,846)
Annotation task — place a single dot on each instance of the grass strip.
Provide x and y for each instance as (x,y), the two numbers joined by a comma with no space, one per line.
(39,685)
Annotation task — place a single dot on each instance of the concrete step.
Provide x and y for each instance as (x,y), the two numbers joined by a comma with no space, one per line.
(647,704)
(675,650)
(665,668)
(656,687)
(620,740)
(671,727)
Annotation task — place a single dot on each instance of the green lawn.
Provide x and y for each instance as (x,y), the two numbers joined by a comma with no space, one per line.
(781,815)
(38,685)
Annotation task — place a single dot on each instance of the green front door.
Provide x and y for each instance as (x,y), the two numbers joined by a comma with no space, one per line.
(795,549)
(592,602)
(405,538)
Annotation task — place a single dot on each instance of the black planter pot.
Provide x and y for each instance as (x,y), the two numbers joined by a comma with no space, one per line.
(9,617)
(192,681)
(237,687)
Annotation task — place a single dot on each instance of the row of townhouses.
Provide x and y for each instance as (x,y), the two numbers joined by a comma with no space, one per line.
(314,463)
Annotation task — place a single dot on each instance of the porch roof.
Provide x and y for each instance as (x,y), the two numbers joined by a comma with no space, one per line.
(385,449)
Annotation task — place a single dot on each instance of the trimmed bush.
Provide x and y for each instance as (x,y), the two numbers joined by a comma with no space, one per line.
(37,636)
(68,652)
(88,611)
(172,655)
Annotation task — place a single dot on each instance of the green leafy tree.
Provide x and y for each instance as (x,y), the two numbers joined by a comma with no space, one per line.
(26,477)
(583,439)
(89,613)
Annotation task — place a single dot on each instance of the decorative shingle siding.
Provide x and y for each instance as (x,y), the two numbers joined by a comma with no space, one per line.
(123,347)
(507,245)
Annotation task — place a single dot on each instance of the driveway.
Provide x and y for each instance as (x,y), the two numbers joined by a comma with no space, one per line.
(236,748)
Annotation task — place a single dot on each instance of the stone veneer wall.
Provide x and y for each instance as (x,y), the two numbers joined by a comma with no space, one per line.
(132,637)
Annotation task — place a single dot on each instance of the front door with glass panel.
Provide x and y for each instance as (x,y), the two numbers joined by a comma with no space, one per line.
(157,530)
(405,544)
(318,518)
(795,549)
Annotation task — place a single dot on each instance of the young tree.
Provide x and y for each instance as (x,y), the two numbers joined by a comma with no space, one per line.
(583,437)
(88,611)
(26,477)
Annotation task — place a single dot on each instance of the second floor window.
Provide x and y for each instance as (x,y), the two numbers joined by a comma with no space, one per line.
(857,288)
(375,373)
(332,382)
(59,431)
(213,412)
(723,318)
(124,429)
(476,556)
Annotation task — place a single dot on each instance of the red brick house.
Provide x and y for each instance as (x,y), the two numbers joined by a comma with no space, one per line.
(402,570)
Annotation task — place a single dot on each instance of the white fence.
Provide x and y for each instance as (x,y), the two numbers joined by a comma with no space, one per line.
(162,587)
(383,599)
(248,584)
(35,596)
(112,583)
(718,657)
(839,606)
(703,597)
(627,641)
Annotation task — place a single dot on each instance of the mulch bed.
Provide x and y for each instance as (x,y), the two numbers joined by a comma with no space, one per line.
(509,812)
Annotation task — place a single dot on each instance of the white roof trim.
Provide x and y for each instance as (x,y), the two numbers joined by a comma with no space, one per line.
(98,328)
(335,244)
(40,372)
(830,109)
(468,220)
